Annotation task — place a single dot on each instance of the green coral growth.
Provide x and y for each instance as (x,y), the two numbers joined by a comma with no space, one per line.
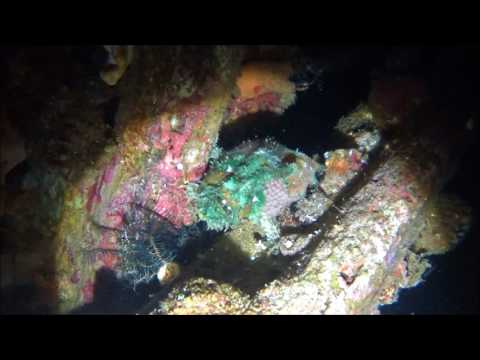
(233,189)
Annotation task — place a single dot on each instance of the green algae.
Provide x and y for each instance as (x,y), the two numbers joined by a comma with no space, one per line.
(234,189)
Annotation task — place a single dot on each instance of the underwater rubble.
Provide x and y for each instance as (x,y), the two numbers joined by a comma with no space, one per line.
(257,229)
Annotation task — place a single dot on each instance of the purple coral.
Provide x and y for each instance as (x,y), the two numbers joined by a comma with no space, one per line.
(276,198)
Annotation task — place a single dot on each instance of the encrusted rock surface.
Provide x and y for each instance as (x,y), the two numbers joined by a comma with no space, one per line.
(112,164)
(365,252)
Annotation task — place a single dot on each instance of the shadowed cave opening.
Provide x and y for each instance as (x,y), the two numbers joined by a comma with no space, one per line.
(308,124)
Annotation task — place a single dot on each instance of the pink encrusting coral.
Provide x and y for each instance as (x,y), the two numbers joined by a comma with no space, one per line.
(167,133)
(88,291)
(264,102)
(108,241)
(119,204)
(172,204)
(109,259)
(94,192)
(93,196)
(110,170)
(164,178)
(171,200)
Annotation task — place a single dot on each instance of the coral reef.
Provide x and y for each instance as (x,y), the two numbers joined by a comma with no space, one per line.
(136,190)
(90,166)
(165,129)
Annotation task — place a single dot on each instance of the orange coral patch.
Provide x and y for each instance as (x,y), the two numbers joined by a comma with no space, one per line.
(261,77)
